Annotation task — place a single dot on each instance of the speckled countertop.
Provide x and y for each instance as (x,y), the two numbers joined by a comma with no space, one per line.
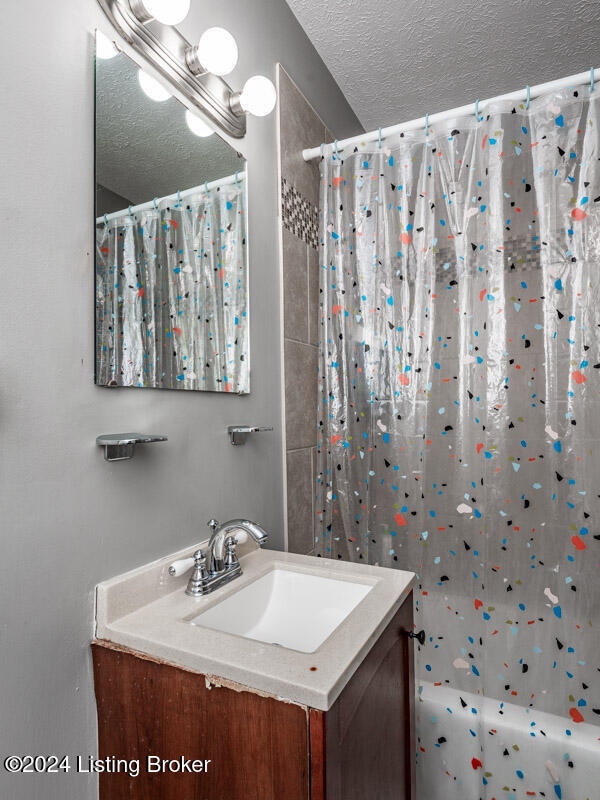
(147,610)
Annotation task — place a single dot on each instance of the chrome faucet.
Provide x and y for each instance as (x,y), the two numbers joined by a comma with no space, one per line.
(223,565)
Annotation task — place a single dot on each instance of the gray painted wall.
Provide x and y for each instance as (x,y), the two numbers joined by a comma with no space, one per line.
(68,519)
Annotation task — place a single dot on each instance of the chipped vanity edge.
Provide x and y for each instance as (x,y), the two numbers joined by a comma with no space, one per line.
(210,681)
(216,682)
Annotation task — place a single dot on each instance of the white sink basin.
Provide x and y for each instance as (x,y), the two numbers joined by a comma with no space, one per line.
(292,609)
(143,611)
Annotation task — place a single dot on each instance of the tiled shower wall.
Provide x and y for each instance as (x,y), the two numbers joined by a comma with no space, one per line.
(299,127)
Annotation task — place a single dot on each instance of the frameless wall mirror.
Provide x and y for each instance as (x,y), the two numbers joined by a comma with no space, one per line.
(171,241)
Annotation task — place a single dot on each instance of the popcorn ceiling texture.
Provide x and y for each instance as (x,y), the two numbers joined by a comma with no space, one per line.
(395,61)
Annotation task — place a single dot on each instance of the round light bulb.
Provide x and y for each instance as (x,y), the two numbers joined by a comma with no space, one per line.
(105,49)
(197,125)
(258,96)
(169,12)
(155,90)
(217,51)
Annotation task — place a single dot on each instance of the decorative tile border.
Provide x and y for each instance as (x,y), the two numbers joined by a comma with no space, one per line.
(299,215)
(518,255)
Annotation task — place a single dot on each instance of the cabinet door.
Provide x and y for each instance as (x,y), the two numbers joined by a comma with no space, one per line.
(363,747)
(257,746)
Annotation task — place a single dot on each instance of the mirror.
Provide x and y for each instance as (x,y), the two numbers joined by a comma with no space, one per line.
(171,244)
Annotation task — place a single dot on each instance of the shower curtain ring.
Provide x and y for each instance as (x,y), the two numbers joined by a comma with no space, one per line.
(528,97)
(379,138)
(337,152)
(477,117)
(130,212)
(592,77)
(155,203)
(178,197)
(206,186)
(237,180)
(322,146)
(426,124)
(106,220)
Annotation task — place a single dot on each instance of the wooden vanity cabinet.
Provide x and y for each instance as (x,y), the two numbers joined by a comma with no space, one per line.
(258,747)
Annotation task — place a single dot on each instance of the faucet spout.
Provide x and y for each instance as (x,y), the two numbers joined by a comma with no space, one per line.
(216,545)
(222,567)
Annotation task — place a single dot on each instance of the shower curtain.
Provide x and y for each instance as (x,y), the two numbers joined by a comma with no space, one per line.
(459,407)
(171,293)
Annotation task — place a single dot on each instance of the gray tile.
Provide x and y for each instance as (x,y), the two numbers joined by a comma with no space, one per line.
(299,128)
(299,501)
(295,288)
(314,296)
(300,395)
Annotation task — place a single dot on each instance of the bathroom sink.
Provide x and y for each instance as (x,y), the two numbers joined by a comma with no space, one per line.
(292,609)
(326,615)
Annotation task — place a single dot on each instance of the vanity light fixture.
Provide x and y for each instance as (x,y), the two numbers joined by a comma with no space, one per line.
(258,96)
(216,52)
(169,12)
(197,125)
(153,88)
(194,70)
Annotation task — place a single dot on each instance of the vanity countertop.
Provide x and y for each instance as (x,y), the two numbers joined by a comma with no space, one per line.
(147,610)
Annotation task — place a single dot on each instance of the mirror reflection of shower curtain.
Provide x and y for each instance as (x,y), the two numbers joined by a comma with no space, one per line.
(460,398)
(171,294)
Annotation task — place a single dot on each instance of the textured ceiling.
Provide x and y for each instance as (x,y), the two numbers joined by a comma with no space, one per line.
(145,149)
(396,60)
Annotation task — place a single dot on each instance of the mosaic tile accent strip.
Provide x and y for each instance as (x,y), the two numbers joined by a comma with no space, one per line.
(520,254)
(299,215)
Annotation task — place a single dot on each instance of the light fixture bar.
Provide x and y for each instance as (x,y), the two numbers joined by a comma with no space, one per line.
(193,61)
(140,11)
(165,48)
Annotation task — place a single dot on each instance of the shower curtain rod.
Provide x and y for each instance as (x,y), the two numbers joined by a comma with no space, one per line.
(473,108)
(237,176)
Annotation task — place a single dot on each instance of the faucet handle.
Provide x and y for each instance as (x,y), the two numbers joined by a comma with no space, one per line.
(179,567)
(213,524)
(200,562)
(231,559)
(198,578)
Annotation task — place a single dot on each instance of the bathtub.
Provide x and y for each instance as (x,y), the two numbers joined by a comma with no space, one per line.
(482,748)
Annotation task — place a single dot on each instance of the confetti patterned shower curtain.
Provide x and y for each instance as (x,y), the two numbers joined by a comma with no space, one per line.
(460,396)
(171,294)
